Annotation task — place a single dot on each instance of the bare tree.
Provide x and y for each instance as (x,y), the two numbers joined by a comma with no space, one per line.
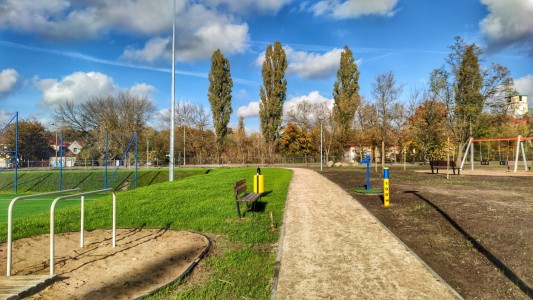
(386,92)
(301,115)
(119,115)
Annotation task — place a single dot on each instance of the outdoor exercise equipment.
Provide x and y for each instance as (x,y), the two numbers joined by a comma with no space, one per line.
(367,161)
(14,152)
(82,221)
(519,145)
(10,220)
(386,193)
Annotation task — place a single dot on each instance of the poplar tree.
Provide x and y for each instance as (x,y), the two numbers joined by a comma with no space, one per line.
(345,95)
(219,94)
(273,93)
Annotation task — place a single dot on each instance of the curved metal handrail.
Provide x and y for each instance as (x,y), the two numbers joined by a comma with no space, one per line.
(10,220)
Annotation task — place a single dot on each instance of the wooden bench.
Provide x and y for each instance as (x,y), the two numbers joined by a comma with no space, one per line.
(239,190)
(436,164)
(485,162)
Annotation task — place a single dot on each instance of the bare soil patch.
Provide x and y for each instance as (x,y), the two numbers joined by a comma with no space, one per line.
(476,232)
(142,261)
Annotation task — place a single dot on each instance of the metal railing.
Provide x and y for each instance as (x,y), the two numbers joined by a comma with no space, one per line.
(82,198)
(10,220)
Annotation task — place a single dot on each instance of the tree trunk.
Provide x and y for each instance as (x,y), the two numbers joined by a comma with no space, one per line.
(459,152)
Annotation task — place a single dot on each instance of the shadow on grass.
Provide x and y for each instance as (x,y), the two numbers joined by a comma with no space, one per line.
(480,248)
(37,182)
(260,206)
(83,180)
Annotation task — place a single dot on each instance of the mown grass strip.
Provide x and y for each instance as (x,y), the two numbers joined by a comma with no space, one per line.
(88,180)
(204,203)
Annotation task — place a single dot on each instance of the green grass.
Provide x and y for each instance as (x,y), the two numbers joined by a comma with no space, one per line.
(242,264)
(33,182)
(88,180)
(30,207)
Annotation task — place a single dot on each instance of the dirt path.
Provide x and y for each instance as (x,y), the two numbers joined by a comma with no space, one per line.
(333,248)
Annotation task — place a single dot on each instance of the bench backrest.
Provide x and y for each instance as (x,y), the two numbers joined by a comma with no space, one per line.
(239,187)
(441,163)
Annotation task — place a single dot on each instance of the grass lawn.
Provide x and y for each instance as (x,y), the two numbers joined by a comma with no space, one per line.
(242,261)
(29,207)
(88,180)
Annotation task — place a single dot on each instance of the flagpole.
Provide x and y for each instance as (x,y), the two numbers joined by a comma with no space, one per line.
(172,112)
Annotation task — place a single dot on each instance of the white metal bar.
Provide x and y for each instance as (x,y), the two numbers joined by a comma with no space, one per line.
(114,219)
(523,155)
(472,155)
(466,152)
(52,225)
(516,156)
(10,221)
(82,221)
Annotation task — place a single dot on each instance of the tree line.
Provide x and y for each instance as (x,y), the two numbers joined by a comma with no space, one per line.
(466,96)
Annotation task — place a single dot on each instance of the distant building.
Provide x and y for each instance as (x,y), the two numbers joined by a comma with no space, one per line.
(69,152)
(75,147)
(517,105)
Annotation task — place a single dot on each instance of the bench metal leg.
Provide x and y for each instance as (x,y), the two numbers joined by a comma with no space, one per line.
(238,209)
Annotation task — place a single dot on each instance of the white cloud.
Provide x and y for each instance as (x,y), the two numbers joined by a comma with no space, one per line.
(80,86)
(250,110)
(199,32)
(5,116)
(524,86)
(509,22)
(142,90)
(64,19)
(353,8)
(313,97)
(243,6)
(200,29)
(156,48)
(8,80)
(313,65)
(308,64)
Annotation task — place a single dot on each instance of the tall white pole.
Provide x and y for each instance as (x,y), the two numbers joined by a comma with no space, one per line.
(183,143)
(321,160)
(172,112)
(517,152)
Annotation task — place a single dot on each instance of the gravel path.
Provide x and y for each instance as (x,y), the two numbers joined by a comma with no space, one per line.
(333,248)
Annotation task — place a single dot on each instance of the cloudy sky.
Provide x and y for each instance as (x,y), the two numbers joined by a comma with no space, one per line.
(52,51)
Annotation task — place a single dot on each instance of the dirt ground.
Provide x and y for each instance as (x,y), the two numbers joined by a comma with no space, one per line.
(476,232)
(142,261)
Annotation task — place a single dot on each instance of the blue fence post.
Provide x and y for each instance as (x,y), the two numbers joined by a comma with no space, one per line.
(61,161)
(15,183)
(137,159)
(105,159)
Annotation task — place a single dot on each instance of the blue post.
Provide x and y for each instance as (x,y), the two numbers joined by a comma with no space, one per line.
(136,159)
(16,151)
(61,161)
(105,160)
(367,161)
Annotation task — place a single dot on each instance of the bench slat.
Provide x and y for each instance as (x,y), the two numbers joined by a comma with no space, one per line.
(249,198)
(239,187)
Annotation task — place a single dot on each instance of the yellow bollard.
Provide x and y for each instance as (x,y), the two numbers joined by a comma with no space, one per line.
(386,193)
(259,182)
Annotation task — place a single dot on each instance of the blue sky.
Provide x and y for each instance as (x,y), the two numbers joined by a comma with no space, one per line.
(52,51)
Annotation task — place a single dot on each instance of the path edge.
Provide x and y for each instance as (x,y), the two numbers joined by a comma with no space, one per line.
(275,279)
